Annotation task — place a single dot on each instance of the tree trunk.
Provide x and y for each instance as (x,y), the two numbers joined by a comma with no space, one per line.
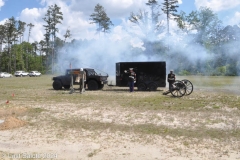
(10,59)
(14,59)
(0,56)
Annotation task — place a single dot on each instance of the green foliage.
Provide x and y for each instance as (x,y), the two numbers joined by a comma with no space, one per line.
(170,9)
(101,19)
(184,73)
(53,17)
(221,70)
(149,24)
(19,54)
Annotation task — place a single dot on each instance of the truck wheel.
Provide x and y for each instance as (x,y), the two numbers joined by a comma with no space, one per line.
(92,85)
(57,85)
(152,86)
(66,86)
(142,87)
(101,86)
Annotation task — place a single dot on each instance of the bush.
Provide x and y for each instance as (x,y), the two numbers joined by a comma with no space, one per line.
(184,73)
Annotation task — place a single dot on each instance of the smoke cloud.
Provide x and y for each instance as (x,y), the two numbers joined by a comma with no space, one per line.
(129,44)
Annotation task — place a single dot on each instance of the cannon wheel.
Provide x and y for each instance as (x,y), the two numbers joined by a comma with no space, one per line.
(189,86)
(179,89)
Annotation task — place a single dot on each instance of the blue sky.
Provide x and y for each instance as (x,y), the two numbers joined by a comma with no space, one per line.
(76,13)
(15,7)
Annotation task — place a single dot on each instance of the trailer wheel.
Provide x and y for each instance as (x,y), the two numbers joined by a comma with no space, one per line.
(152,86)
(66,86)
(57,85)
(142,87)
(92,85)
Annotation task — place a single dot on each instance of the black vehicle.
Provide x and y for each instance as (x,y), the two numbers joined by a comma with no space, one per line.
(94,80)
(150,75)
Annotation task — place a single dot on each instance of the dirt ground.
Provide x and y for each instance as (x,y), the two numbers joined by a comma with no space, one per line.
(102,130)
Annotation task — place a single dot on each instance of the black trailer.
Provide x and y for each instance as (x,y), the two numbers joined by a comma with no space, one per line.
(150,75)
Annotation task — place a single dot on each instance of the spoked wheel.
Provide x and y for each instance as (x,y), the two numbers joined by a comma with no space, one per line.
(189,86)
(179,89)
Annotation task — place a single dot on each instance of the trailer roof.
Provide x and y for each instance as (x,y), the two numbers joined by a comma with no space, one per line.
(145,62)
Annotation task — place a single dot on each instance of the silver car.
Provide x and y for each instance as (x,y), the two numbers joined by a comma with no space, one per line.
(21,73)
(34,74)
(5,74)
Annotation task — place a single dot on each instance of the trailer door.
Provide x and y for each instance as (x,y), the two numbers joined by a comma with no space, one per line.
(118,74)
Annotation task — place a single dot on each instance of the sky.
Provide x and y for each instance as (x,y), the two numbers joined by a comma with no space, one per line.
(76,14)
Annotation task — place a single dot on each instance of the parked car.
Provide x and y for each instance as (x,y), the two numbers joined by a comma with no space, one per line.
(34,74)
(21,73)
(5,74)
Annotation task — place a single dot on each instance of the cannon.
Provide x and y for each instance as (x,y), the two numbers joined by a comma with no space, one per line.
(181,88)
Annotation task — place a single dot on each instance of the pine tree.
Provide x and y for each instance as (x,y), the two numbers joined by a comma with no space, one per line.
(153,4)
(53,17)
(101,19)
(141,19)
(67,35)
(11,32)
(170,8)
(30,25)
(2,37)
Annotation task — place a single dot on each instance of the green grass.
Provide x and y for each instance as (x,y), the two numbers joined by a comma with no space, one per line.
(213,81)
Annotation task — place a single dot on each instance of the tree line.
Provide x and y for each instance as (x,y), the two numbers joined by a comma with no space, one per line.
(200,28)
(17,54)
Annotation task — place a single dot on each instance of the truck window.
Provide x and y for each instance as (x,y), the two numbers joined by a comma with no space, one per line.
(92,73)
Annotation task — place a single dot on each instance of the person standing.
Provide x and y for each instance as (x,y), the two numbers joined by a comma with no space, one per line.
(171,79)
(131,79)
(82,80)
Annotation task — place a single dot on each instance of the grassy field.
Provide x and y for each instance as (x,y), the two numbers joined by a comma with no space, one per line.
(207,119)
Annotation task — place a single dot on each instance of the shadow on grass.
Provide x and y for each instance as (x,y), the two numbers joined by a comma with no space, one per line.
(127,90)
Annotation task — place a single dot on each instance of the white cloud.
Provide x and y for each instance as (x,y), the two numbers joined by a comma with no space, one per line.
(114,8)
(235,20)
(73,20)
(3,21)
(180,2)
(33,16)
(217,5)
(76,16)
(1,3)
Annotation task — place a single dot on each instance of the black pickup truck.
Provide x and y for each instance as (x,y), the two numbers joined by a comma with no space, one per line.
(94,80)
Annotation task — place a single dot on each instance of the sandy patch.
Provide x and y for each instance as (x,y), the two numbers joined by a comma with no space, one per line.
(11,122)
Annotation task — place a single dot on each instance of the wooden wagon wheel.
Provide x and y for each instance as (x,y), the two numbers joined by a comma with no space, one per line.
(189,86)
(179,89)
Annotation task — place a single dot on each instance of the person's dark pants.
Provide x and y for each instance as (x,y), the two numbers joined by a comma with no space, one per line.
(131,86)
(170,86)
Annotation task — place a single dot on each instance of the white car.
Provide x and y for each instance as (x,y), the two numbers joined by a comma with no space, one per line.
(34,74)
(5,74)
(20,73)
